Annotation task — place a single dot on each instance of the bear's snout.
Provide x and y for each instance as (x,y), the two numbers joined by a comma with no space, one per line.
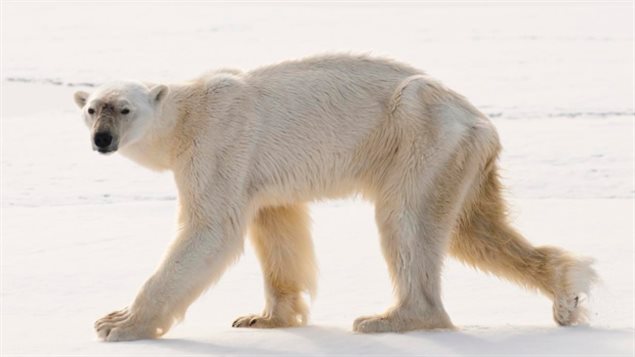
(103,141)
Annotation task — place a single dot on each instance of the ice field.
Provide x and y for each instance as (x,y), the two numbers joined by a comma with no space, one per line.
(80,232)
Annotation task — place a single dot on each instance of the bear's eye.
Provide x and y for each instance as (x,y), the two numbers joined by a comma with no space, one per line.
(91,111)
(125,111)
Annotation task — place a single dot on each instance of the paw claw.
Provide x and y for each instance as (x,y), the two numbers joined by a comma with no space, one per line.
(257,321)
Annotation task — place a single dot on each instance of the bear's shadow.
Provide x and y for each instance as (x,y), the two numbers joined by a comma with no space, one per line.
(466,341)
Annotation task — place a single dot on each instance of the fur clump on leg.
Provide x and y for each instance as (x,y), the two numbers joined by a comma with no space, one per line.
(281,238)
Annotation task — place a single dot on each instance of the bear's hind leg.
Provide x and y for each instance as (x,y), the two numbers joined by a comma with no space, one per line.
(282,241)
(485,240)
(413,246)
(417,208)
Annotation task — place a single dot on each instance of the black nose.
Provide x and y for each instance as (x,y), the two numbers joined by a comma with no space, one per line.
(103,139)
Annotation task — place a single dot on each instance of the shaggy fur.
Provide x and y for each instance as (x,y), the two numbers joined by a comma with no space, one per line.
(248,150)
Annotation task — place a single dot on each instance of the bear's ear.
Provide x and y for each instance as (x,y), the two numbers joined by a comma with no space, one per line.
(158,93)
(80,98)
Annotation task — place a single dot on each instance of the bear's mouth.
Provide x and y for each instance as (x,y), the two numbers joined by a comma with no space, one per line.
(106,151)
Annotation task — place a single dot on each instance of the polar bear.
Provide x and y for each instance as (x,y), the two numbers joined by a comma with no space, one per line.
(249,150)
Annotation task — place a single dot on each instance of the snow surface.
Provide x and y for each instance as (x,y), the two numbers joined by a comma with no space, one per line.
(81,232)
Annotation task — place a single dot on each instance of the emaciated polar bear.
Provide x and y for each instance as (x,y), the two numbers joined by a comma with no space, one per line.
(249,150)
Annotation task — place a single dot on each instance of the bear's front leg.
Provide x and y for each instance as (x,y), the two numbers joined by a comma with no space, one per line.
(196,259)
(282,240)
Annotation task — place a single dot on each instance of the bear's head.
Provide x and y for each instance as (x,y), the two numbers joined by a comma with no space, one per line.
(120,113)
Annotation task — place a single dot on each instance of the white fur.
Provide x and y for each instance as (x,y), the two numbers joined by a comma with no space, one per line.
(248,149)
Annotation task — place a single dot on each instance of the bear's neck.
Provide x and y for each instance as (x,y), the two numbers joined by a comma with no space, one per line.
(158,150)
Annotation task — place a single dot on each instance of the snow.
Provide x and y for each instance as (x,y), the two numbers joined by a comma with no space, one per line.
(101,253)
(81,232)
